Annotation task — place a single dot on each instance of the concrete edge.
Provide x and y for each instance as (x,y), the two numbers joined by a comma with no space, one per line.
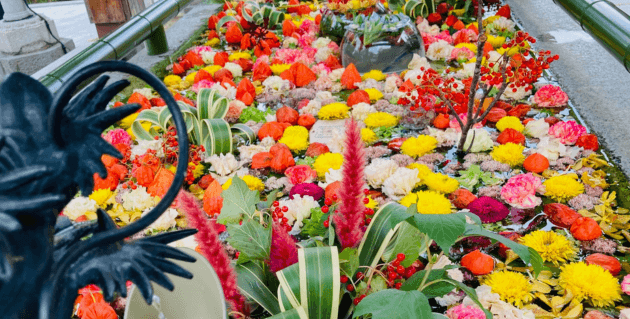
(56,4)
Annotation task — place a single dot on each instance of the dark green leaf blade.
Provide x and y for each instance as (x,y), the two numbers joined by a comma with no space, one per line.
(238,200)
(394,304)
(251,239)
(443,228)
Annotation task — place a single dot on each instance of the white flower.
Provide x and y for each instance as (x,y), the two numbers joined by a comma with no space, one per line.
(448,136)
(138,199)
(299,208)
(391,84)
(186,242)
(439,50)
(360,111)
(312,108)
(248,151)
(624,314)
(276,83)
(412,75)
(320,43)
(223,164)
(143,146)
(379,170)
(323,54)
(79,206)
(335,75)
(449,299)
(538,128)
(424,27)
(504,24)
(401,183)
(442,262)
(276,183)
(553,149)
(498,308)
(288,41)
(418,62)
(323,96)
(455,274)
(166,220)
(494,57)
(146,92)
(267,142)
(483,140)
(270,117)
(333,175)
(236,69)
(520,93)
(337,143)
(468,70)
(207,57)
(229,93)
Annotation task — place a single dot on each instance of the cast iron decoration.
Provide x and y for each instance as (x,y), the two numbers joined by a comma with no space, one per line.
(49,147)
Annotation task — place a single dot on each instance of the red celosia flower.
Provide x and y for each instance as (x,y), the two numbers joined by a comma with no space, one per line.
(213,250)
(350,214)
(488,209)
(283,251)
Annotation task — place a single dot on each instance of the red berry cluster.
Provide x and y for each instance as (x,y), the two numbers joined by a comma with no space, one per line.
(171,152)
(277,214)
(397,273)
(129,184)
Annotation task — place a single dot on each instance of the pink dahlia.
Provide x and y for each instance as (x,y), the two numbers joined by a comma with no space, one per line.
(454,124)
(520,191)
(550,96)
(625,285)
(568,132)
(488,209)
(464,36)
(118,136)
(465,312)
(307,189)
(462,54)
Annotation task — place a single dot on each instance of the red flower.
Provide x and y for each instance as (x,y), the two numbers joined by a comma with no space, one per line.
(332,190)
(588,142)
(136,97)
(233,34)
(434,18)
(560,215)
(221,58)
(585,228)
(358,96)
(609,263)
(261,72)
(450,20)
(178,69)
(478,263)
(283,251)
(510,135)
(202,75)
(505,11)
(245,64)
(306,120)
(316,149)
(245,86)
(488,209)
(519,111)
(513,236)
(350,76)
(212,34)
(261,160)
(222,75)
(286,114)
(461,198)
(332,62)
(396,143)
(262,48)
(212,22)
(300,174)
(194,58)
(247,42)
(205,181)
(442,8)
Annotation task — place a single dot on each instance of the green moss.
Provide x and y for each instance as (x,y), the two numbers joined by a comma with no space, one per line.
(619,183)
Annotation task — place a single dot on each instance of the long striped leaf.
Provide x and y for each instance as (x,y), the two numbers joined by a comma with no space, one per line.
(251,282)
(245,131)
(144,116)
(297,313)
(188,113)
(217,136)
(415,8)
(289,289)
(211,105)
(225,20)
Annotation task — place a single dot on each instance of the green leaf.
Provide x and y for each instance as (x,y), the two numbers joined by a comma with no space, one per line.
(271,197)
(379,233)
(409,241)
(251,239)
(297,313)
(438,289)
(314,226)
(470,177)
(439,316)
(471,293)
(251,282)
(414,282)
(349,261)
(443,228)
(238,200)
(394,304)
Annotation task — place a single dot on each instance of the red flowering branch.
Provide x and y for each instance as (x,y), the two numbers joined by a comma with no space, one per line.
(350,214)
(283,251)
(213,250)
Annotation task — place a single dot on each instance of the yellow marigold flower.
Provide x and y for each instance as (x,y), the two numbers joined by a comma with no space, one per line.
(423,170)
(197,169)
(496,41)
(374,74)
(213,42)
(418,146)
(374,94)
(101,196)
(333,111)
(511,286)
(327,161)
(239,55)
(380,119)
(489,20)
(428,202)
(551,246)
(368,136)
(372,203)
(227,184)
(590,282)
(470,46)
(295,137)
(512,122)
(190,78)
(509,153)
(127,121)
(171,80)
(212,69)
(279,68)
(254,183)
(563,187)
(441,183)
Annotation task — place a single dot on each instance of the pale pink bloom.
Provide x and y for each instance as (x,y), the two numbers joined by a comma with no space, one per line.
(203,84)
(520,191)
(625,285)
(300,174)
(334,46)
(464,36)
(118,136)
(201,48)
(454,124)
(321,70)
(465,312)
(462,54)
(261,59)
(567,132)
(550,96)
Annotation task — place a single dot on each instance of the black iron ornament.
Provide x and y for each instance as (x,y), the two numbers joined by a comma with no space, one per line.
(50,147)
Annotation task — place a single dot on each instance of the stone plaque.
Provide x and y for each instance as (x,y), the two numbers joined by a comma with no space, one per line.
(324,131)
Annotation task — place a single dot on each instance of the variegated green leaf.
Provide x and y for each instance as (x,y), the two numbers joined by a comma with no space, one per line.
(320,281)
(297,313)
(289,289)
(150,116)
(225,20)
(245,131)
(251,282)
(217,134)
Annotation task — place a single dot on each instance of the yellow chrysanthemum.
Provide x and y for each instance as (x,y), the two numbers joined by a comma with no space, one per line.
(423,170)
(101,196)
(441,183)
(295,137)
(254,183)
(127,121)
(428,202)
(227,184)
(197,169)
(190,78)
(213,42)
(470,46)
(511,286)
(380,119)
(563,187)
(279,68)
(509,153)
(368,136)
(496,41)
(374,74)
(590,282)
(418,146)
(212,69)
(327,161)
(551,246)
(239,55)
(374,94)
(371,203)
(333,111)
(512,122)
(171,80)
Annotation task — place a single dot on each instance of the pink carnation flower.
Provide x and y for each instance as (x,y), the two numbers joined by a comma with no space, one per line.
(454,124)
(261,59)
(625,285)
(118,136)
(464,36)
(203,84)
(462,54)
(300,174)
(201,48)
(550,96)
(520,191)
(321,69)
(465,312)
(568,132)
(445,36)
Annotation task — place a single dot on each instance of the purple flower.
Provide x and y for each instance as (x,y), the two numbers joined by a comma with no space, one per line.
(307,189)
(488,209)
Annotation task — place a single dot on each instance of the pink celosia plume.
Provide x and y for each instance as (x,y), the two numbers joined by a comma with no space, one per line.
(213,250)
(283,251)
(350,213)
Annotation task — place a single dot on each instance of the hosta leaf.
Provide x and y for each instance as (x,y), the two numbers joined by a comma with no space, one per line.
(443,228)
(394,304)
(409,241)
(238,200)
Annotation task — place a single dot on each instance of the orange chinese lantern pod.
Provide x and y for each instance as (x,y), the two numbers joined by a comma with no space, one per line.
(442,121)
(288,27)
(303,75)
(161,183)
(245,86)
(519,111)
(358,96)
(261,160)
(527,120)
(510,135)
(221,58)
(205,181)
(459,25)
(194,58)
(87,299)
(203,75)
(316,149)
(487,47)
(223,75)
(286,114)
(478,263)
(178,69)
(233,34)
(332,62)
(282,158)
(306,120)
(396,143)
(144,175)
(609,263)
(585,228)
(495,115)
(110,182)
(246,64)
(535,163)
(461,198)
(136,97)
(213,205)
(212,22)
(262,71)
(273,129)
(560,215)
(350,76)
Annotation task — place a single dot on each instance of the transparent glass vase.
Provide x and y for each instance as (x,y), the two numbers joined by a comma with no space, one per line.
(416,120)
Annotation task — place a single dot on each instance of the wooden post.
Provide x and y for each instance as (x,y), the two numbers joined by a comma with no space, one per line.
(108,15)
